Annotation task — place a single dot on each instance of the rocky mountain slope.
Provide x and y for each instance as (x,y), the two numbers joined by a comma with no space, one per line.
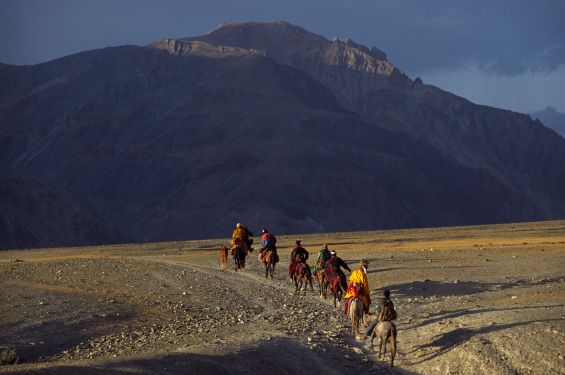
(509,145)
(551,118)
(34,214)
(273,126)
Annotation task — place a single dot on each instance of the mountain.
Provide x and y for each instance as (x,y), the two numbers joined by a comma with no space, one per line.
(272,126)
(552,119)
(35,214)
(365,82)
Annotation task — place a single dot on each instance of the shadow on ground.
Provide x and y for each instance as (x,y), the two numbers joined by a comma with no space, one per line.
(444,342)
(279,356)
(437,288)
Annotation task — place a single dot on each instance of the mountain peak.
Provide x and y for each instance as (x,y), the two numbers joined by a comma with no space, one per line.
(235,32)
(330,62)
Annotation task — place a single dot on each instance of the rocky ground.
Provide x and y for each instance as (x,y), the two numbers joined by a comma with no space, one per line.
(481,300)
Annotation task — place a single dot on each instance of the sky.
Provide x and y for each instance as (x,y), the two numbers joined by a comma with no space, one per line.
(504,53)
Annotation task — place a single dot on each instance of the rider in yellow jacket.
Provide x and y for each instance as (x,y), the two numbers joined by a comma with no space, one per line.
(242,234)
(359,278)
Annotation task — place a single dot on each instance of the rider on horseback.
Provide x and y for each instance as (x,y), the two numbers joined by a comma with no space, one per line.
(385,312)
(359,286)
(242,235)
(334,270)
(323,256)
(268,240)
(297,256)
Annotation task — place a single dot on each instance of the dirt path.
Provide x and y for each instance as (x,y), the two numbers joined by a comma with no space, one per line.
(179,314)
(480,300)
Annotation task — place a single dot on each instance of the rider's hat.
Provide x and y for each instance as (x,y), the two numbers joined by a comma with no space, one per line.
(264,230)
(298,242)
(238,225)
(333,252)
(364,263)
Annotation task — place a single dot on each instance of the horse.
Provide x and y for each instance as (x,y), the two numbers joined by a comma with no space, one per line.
(223,258)
(301,277)
(336,288)
(356,315)
(239,257)
(269,260)
(320,277)
(386,332)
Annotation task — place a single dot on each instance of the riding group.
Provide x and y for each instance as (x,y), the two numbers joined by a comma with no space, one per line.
(330,278)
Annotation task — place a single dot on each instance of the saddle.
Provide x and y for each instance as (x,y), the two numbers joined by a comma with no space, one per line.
(355,289)
(263,254)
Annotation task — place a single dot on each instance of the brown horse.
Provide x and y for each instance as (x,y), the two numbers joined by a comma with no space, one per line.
(269,258)
(223,258)
(238,255)
(356,315)
(386,332)
(335,287)
(323,283)
(302,276)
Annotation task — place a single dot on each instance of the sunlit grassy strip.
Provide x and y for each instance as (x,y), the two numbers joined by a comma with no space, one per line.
(548,233)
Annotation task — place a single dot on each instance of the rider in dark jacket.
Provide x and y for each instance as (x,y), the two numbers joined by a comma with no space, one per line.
(298,255)
(334,270)
(383,302)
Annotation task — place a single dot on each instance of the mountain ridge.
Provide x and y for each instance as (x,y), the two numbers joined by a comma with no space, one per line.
(184,137)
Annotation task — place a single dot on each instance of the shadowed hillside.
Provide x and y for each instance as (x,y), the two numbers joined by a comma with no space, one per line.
(273,126)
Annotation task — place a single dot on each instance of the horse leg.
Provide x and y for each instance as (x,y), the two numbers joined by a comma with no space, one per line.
(381,340)
(392,346)
(271,269)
